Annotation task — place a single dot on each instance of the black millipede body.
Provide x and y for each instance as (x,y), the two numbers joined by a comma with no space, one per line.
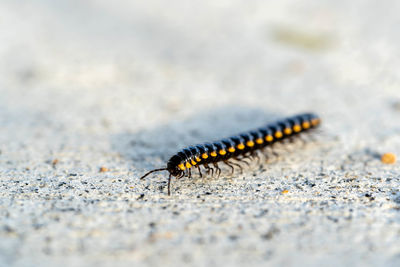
(238,147)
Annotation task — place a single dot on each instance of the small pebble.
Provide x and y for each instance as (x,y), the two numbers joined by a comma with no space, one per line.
(388,158)
(103,169)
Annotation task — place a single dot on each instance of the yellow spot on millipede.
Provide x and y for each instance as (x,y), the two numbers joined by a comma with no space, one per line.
(222,152)
(269,138)
(278,134)
(306,125)
(315,122)
(285,191)
(287,131)
(181,166)
(198,159)
(296,128)
(250,143)
(259,141)
(204,156)
(188,165)
(231,149)
(240,146)
(193,162)
(213,154)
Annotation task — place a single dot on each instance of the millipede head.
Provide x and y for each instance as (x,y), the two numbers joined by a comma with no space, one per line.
(175,166)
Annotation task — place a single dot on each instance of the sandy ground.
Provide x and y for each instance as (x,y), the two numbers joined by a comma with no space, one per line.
(125,84)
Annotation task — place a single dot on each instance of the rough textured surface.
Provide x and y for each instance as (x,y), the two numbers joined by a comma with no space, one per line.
(123,85)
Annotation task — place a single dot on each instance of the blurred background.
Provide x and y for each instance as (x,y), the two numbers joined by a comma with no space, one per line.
(126,83)
(83,66)
(104,59)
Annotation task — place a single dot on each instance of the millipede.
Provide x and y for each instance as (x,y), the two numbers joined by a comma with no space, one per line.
(236,148)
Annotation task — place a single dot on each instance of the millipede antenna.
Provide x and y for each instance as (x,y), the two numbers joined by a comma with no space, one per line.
(155,170)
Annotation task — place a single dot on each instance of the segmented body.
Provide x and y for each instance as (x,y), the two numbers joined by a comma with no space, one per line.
(236,147)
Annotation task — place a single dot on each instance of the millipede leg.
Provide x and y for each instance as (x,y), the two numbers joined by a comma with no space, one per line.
(266,158)
(218,170)
(270,152)
(190,173)
(255,155)
(238,165)
(198,168)
(242,159)
(248,163)
(274,153)
(209,170)
(169,185)
(227,163)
